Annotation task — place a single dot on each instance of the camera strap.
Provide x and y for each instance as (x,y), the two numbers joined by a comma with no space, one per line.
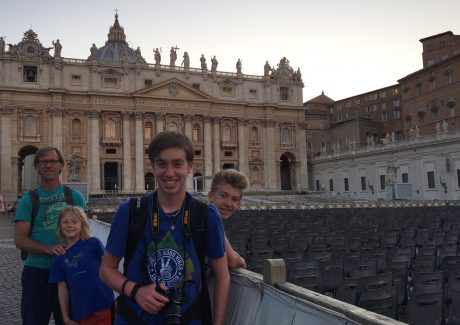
(156,228)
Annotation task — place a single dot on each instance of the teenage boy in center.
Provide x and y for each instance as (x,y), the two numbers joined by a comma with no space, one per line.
(226,192)
(170,261)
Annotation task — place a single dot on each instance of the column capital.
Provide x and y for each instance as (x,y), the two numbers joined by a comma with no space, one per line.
(94,114)
(138,115)
(188,117)
(216,119)
(268,123)
(302,125)
(206,118)
(242,120)
(159,115)
(55,111)
(126,115)
(6,110)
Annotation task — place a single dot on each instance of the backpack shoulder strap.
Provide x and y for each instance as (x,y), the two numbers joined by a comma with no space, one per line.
(137,218)
(199,223)
(68,195)
(35,205)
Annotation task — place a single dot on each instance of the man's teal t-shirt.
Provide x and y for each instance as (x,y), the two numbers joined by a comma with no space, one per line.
(52,202)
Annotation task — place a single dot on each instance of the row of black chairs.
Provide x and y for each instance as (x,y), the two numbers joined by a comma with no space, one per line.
(402,263)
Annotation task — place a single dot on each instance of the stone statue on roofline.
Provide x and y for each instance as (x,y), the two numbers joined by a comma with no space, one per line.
(94,52)
(2,45)
(267,69)
(238,66)
(173,56)
(57,49)
(214,64)
(204,65)
(157,56)
(186,60)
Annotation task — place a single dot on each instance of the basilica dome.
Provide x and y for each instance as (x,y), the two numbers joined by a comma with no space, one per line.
(116,49)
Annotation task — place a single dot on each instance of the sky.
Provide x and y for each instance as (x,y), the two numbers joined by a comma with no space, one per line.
(342,47)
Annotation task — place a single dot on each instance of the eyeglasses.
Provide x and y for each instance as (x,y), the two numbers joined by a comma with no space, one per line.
(46,162)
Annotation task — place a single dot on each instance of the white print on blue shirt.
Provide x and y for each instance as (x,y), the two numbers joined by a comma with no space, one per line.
(168,265)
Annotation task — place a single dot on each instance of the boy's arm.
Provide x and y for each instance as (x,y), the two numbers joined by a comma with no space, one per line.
(234,259)
(222,287)
(63,295)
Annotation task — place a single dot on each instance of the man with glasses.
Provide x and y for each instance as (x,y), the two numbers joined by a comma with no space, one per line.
(226,192)
(39,297)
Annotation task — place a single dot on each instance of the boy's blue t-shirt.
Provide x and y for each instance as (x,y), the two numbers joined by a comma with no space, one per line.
(79,268)
(165,261)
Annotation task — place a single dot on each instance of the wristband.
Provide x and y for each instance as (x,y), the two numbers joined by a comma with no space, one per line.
(134,291)
(122,292)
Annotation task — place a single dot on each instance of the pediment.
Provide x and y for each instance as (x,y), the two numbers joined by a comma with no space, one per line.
(173,89)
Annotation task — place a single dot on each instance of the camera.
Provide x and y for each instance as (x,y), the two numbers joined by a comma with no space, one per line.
(172,311)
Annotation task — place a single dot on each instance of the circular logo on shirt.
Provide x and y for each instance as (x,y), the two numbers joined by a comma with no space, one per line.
(168,265)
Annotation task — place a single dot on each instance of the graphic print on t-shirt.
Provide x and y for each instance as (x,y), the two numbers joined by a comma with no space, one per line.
(167,262)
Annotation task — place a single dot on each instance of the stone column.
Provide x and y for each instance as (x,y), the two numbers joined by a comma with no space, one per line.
(216,143)
(159,117)
(127,175)
(140,180)
(302,145)
(6,173)
(207,143)
(270,159)
(242,146)
(55,114)
(188,133)
(95,161)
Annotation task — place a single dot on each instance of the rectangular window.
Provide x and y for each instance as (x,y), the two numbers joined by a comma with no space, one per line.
(228,153)
(284,93)
(418,91)
(252,93)
(30,73)
(384,116)
(397,113)
(458,177)
(431,182)
(111,151)
(345,184)
(227,91)
(384,105)
(110,82)
(75,80)
(331,185)
(197,153)
(317,185)
(363,183)
(383,94)
(357,101)
(382,182)
(405,177)
(195,134)
(396,103)
(196,86)
(148,83)
(432,84)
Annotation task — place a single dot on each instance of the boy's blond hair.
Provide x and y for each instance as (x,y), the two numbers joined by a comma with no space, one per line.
(85,232)
(232,177)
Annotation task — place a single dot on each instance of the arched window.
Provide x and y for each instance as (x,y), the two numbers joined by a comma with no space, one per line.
(254,135)
(30,125)
(110,129)
(148,131)
(196,132)
(285,136)
(76,127)
(226,133)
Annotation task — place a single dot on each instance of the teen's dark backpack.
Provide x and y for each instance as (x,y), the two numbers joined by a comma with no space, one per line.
(198,227)
(36,205)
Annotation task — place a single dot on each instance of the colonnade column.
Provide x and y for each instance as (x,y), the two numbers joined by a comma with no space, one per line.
(95,161)
(207,142)
(216,143)
(302,145)
(6,179)
(159,117)
(139,152)
(127,186)
(188,133)
(242,146)
(56,135)
(270,160)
